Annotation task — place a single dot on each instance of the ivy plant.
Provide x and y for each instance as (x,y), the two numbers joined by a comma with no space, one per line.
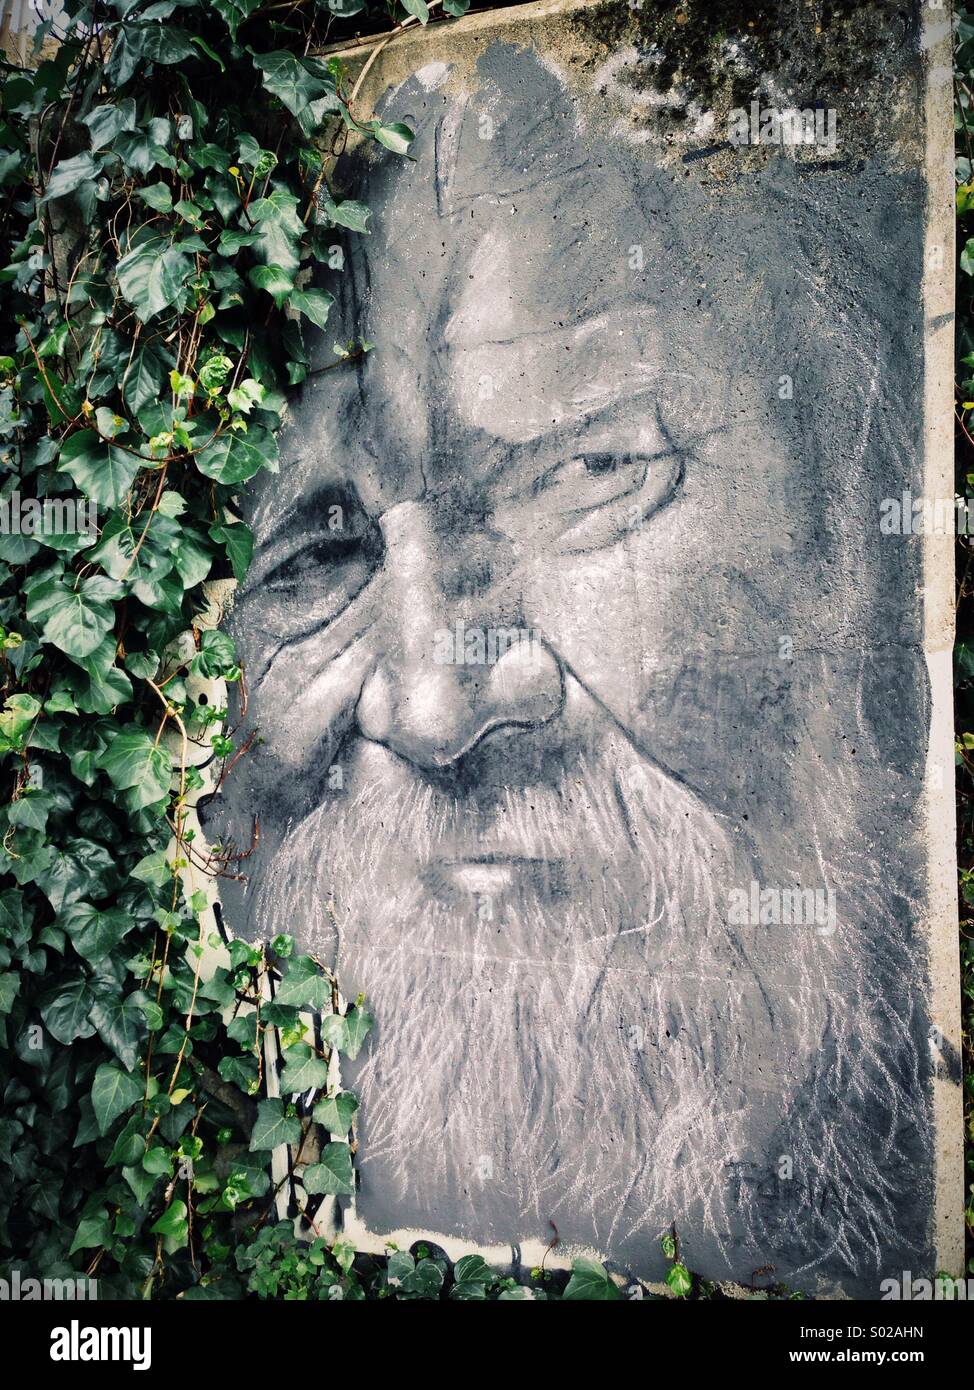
(168,211)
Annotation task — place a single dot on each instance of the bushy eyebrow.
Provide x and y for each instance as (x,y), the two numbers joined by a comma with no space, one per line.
(567,439)
(288,498)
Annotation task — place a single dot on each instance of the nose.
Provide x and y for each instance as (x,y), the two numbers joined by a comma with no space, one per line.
(445,676)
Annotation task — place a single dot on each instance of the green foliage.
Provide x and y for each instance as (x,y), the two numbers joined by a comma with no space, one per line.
(150,345)
(183,155)
(184,151)
(590,1282)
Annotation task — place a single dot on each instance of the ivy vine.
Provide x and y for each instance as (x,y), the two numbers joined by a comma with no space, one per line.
(168,213)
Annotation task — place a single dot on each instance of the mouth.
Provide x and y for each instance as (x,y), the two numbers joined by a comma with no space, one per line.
(494,875)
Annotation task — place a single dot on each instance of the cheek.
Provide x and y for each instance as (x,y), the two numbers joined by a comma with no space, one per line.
(598,615)
(303,706)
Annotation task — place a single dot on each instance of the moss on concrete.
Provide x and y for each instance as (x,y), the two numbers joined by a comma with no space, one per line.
(823,47)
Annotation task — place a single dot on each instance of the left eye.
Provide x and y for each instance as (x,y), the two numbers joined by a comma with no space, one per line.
(590,479)
(600,464)
(312,558)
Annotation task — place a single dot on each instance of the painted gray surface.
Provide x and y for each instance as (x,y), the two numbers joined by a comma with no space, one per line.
(528,864)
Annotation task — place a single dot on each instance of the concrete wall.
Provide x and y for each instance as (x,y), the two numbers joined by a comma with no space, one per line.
(606,711)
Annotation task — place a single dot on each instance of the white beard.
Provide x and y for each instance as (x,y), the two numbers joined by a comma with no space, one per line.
(596,1055)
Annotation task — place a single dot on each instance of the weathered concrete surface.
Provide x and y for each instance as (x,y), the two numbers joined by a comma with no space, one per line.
(638,395)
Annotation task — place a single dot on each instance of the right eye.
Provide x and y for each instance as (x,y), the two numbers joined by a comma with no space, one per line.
(310,559)
(333,530)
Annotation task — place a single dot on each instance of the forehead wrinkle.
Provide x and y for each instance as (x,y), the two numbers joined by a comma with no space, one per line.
(456,331)
(520,388)
(565,432)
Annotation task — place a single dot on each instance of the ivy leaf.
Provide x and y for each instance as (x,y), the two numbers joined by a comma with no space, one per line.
(401,1264)
(425,1281)
(358,1022)
(274,280)
(129,1146)
(231,241)
(135,764)
(238,539)
(64,1010)
(248,394)
(279,229)
(336,1113)
(192,556)
(314,304)
(243,1028)
(347,213)
(144,380)
(332,1174)
(272,1127)
(173,1221)
(103,472)
(234,12)
(590,1282)
(233,458)
(679,1279)
(19,713)
(304,986)
(303,1071)
(158,196)
(471,1269)
(31,809)
(241,1072)
(9,989)
(217,654)
(134,558)
(139,1181)
(112,1093)
(101,692)
(95,932)
(105,122)
(87,1131)
(468,1292)
(297,84)
(76,620)
(93,1231)
(163,43)
(419,8)
(154,869)
(334,1031)
(396,137)
(120,1023)
(70,174)
(53,344)
(456,7)
(61,398)
(153,277)
(157,1161)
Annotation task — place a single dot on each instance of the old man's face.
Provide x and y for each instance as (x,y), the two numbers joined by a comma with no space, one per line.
(465,578)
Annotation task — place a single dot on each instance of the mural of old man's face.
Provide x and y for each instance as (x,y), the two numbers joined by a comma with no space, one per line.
(555,645)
